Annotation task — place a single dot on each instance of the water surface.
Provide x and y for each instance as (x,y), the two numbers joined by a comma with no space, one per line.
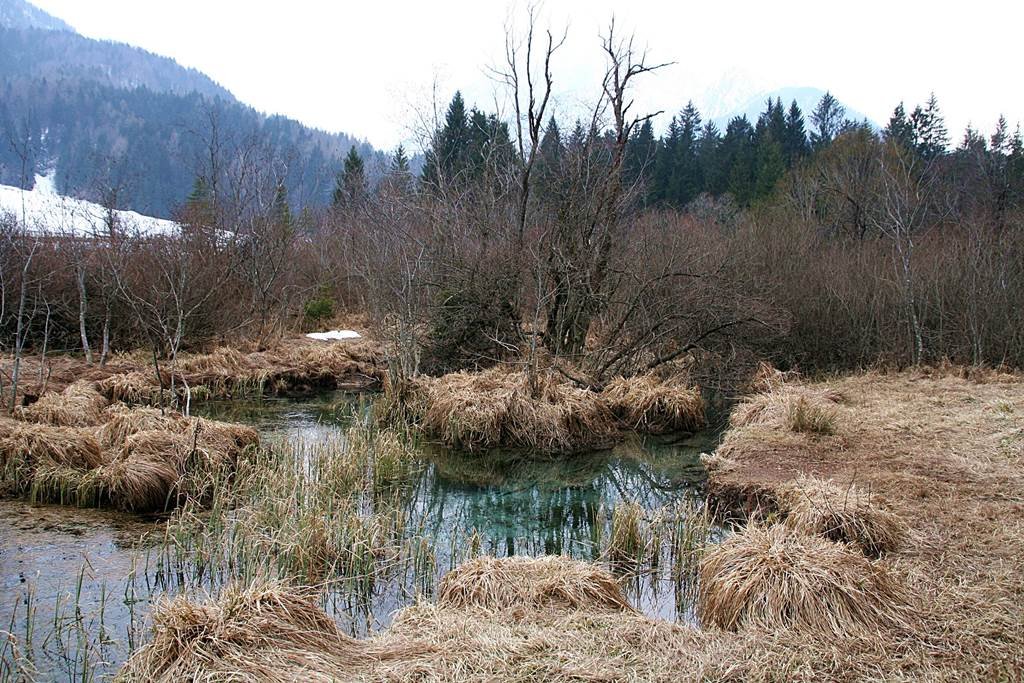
(78,583)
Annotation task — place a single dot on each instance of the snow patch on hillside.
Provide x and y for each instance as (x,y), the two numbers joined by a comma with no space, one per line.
(47,211)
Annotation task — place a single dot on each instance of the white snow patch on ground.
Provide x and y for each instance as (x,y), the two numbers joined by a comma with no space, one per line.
(334,335)
(47,211)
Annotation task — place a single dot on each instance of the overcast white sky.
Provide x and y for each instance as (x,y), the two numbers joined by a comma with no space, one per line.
(368,67)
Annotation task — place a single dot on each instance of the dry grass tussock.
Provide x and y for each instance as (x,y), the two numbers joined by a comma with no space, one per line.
(773,577)
(79,405)
(156,469)
(845,514)
(492,583)
(262,632)
(138,459)
(941,449)
(26,447)
(656,406)
(567,628)
(497,408)
(796,407)
(225,372)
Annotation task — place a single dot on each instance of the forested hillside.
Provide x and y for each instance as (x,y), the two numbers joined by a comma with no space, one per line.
(117,124)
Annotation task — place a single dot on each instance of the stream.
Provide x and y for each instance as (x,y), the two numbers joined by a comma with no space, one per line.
(78,584)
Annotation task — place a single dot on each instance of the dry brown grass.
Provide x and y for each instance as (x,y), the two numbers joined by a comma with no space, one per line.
(157,468)
(135,387)
(772,578)
(524,582)
(137,459)
(797,407)
(24,446)
(846,514)
(495,407)
(566,630)
(263,632)
(79,405)
(120,421)
(650,404)
(940,449)
(296,365)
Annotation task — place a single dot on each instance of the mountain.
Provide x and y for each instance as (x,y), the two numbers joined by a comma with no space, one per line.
(807,99)
(61,55)
(20,14)
(112,123)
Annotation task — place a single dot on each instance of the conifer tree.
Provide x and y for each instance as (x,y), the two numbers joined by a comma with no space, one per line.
(738,159)
(930,136)
(664,180)
(689,178)
(795,141)
(708,153)
(449,147)
(828,118)
(281,212)
(641,154)
(899,130)
(399,161)
(398,176)
(549,160)
(350,187)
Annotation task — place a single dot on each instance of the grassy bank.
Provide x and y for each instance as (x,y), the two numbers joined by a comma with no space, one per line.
(880,543)
(296,365)
(77,447)
(502,407)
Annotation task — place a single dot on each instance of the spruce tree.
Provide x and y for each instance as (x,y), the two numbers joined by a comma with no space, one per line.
(280,211)
(689,177)
(708,155)
(350,187)
(399,161)
(930,136)
(899,130)
(828,118)
(447,153)
(795,141)
(664,181)
(549,160)
(641,151)
(738,160)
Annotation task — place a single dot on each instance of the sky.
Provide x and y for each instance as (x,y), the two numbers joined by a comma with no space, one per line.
(381,70)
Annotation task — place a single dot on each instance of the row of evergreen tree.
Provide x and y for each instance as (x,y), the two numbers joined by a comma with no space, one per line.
(693,157)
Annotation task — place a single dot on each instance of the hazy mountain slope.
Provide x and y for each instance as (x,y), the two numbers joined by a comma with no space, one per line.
(20,14)
(99,116)
(36,53)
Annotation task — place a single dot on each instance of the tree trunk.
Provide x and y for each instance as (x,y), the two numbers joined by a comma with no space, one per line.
(82,310)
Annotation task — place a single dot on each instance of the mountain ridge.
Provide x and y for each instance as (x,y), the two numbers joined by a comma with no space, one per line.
(20,14)
(93,114)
